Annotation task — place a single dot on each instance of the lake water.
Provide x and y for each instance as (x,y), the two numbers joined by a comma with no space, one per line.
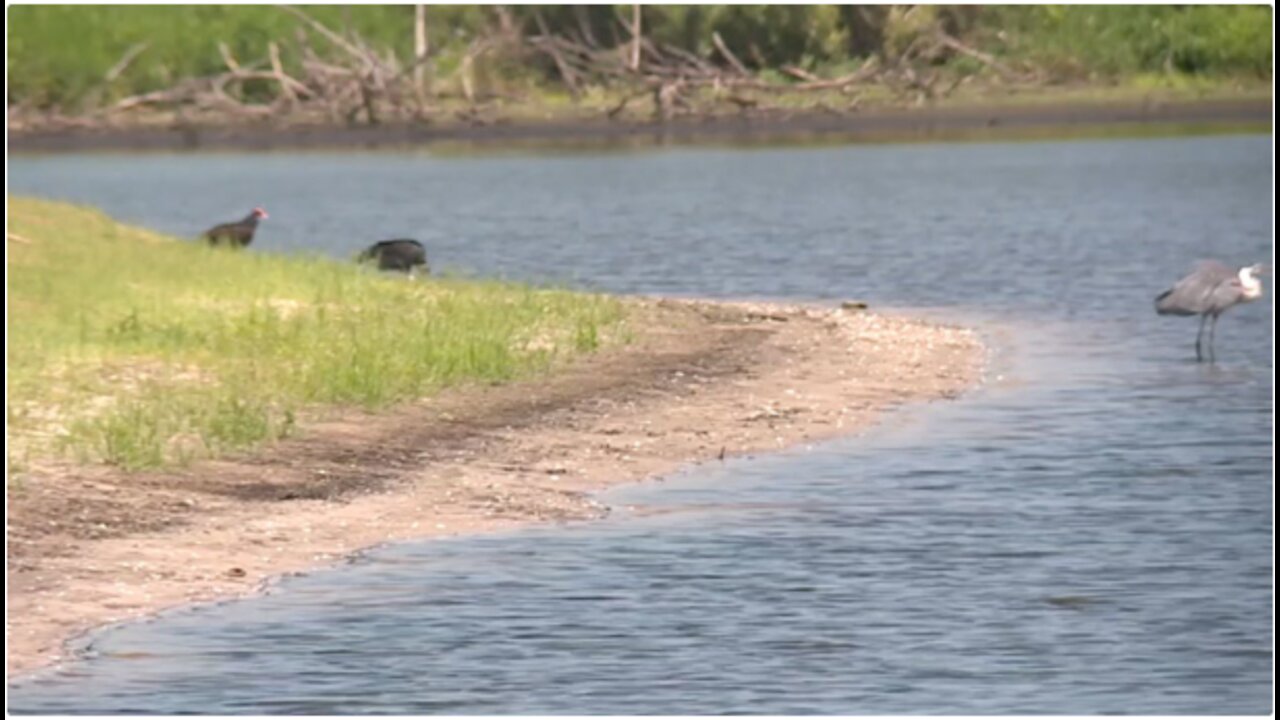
(1091,532)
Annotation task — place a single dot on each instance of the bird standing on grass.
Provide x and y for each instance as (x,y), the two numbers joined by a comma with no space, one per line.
(1210,290)
(238,233)
(402,254)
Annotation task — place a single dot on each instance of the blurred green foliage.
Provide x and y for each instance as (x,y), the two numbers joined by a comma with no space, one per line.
(60,54)
(1112,40)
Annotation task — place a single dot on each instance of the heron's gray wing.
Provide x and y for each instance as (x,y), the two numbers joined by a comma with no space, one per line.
(1227,293)
(1212,269)
(1196,293)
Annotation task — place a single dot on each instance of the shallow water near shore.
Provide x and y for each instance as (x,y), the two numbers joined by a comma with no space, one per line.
(1090,532)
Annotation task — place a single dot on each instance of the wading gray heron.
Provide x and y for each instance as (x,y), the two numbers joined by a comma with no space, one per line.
(1210,290)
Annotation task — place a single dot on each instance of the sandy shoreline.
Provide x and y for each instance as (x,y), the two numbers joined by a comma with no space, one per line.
(88,547)
(869,125)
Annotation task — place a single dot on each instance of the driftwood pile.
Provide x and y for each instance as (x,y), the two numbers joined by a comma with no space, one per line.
(669,74)
(354,83)
(361,85)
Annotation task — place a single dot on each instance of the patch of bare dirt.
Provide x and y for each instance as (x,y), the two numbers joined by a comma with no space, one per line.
(89,546)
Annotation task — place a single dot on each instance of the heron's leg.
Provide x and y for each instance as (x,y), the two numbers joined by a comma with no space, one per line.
(1200,335)
(1213,325)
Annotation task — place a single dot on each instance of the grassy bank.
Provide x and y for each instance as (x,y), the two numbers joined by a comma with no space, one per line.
(140,350)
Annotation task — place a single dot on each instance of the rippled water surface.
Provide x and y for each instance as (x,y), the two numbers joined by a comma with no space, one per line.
(1090,532)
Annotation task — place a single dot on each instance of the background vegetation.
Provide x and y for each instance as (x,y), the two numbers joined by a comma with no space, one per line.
(69,57)
(135,349)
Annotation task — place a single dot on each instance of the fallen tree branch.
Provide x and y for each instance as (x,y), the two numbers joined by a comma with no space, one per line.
(175,94)
(622,104)
(868,70)
(125,61)
(584,26)
(476,49)
(1005,71)
(286,83)
(227,57)
(800,73)
(728,54)
(698,63)
(636,37)
(420,49)
(549,44)
(330,35)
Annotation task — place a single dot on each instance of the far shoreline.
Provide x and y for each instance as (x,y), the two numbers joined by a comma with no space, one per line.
(1032,118)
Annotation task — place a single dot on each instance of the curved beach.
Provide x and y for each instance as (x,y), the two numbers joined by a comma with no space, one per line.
(701,381)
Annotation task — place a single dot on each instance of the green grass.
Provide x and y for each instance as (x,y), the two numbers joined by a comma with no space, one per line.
(139,350)
(1120,40)
(59,55)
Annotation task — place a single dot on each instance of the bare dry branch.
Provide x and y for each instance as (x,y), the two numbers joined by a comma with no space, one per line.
(330,35)
(227,57)
(693,60)
(622,104)
(125,61)
(727,54)
(548,43)
(584,26)
(420,47)
(286,82)
(1004,70)
(800,73)
(179,93)
(636,36)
